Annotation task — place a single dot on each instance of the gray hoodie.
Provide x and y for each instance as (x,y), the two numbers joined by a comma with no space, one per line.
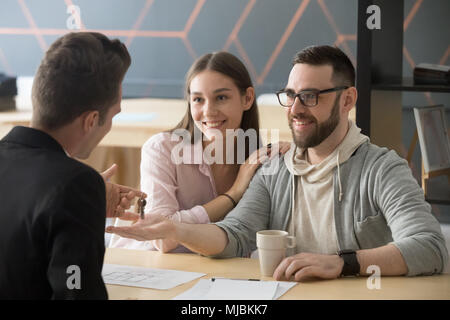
(381,203)
(312,221)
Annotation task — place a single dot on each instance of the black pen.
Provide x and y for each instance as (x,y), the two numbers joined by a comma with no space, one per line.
(214,279)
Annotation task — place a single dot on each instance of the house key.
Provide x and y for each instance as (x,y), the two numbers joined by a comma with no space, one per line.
(141,207)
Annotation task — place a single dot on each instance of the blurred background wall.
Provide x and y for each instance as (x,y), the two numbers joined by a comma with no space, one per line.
(164,37)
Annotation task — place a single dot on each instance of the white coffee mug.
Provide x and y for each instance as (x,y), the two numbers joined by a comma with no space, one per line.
(272,245)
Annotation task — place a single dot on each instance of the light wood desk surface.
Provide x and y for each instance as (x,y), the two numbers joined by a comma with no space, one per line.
(432,287)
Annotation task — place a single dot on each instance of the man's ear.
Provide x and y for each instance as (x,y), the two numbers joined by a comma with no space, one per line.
(89,119)
(249,98)
(350,96)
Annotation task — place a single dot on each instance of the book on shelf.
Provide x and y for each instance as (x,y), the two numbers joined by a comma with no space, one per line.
(427,73)
(8,86)
(8,91)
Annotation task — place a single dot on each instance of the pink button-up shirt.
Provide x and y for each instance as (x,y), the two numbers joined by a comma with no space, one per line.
(177,191)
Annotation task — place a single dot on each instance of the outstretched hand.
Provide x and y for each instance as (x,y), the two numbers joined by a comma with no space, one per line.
(154,226)
(119,198)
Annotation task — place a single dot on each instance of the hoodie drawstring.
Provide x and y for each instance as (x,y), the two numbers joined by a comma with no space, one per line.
(339,177)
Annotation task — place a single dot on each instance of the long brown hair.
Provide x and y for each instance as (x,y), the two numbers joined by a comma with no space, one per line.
(230,66)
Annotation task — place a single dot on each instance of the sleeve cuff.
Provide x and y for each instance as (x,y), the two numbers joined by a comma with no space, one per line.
(230,250)
(196,214)
(418,264)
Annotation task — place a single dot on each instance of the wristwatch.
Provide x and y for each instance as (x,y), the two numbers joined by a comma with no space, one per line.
(351,265)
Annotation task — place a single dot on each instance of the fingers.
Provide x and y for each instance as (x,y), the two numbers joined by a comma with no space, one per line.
(125,201)
(306,273)
(115,213)
(256,162)
(279,148)
(148,229)
(268,152)
(259,156)
(108,173)
(308,265)
(119,211)
(129,195)
(278,274)
(111,229)
(284,146)
(292,266)
(125,196)
(281,272)
(125,232)
(131,192)
(118,198)
(128,216)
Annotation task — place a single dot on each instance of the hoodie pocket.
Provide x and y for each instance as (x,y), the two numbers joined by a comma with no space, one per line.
(373,232)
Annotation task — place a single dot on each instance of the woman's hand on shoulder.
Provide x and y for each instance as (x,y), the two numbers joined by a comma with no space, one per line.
(254,161)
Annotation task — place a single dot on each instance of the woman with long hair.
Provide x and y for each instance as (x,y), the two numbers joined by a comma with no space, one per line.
(198,171)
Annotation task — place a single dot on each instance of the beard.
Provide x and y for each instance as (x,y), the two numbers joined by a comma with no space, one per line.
(322,130)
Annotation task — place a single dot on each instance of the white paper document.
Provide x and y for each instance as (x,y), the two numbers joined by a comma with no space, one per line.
(228,289)
(146,277)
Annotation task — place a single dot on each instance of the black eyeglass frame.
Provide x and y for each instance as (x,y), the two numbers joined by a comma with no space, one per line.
(317,93)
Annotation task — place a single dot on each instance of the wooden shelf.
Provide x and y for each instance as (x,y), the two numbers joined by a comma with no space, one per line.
(407,84)
(437,201)
(438,191)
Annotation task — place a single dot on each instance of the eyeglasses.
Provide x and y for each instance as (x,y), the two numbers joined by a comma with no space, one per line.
(308,98)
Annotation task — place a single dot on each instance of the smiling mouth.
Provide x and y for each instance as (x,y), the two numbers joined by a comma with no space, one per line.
(300,125)
(302,122)
(213,124)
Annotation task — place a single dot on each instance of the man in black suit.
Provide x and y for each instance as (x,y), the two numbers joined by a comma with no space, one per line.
(53,207)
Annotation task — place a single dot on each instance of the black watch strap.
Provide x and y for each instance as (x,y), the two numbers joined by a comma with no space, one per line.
(351,265)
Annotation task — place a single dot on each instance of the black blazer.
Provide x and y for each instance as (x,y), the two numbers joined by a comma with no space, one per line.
(52,217)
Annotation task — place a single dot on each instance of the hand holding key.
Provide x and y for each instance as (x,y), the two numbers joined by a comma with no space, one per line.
(119,198)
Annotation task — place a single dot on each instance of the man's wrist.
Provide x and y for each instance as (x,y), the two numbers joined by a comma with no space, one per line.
(340,264)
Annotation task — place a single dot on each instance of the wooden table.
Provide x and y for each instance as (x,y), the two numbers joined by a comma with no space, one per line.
(431,287)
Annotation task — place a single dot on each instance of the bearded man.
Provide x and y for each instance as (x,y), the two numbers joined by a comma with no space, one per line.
(349,203)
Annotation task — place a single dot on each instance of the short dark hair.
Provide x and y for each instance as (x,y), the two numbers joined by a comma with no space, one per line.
(81,71)
(343,70)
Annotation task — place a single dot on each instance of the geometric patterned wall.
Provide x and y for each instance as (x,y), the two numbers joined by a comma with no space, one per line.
(165,36)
